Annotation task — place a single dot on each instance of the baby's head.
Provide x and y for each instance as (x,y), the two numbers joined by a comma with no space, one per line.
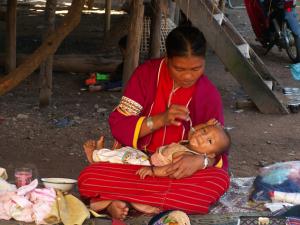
(211,140)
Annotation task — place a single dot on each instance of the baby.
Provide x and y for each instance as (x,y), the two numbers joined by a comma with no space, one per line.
(208,139)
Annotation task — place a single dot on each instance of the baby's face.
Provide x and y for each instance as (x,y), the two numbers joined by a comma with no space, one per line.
(207,140)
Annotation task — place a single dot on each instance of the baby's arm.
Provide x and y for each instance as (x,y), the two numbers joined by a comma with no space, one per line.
(155,171)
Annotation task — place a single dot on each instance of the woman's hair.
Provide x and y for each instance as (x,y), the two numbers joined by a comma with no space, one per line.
(185,41)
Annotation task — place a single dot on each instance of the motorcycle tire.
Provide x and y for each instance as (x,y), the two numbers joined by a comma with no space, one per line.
(292,43)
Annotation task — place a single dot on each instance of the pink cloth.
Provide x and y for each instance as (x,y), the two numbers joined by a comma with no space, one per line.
(27,204)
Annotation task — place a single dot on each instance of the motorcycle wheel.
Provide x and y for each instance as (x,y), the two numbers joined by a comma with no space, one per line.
(292,43)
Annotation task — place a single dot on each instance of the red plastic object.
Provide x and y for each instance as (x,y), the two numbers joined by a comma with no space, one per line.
(258,19)
(91,80)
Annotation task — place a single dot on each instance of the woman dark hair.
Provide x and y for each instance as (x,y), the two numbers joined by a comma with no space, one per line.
(161,102)
(184,41)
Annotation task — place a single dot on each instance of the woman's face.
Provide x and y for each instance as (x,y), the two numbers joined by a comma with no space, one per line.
(185,70)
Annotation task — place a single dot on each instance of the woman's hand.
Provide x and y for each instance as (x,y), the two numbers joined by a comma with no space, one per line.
(175,113)
(185,166)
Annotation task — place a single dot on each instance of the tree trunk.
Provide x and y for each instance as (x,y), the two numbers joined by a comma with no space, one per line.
(46,67)
(48,47)
(11,21)
(155,30)
(134,39)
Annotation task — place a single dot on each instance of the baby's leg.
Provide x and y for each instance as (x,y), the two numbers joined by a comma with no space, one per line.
(89,147)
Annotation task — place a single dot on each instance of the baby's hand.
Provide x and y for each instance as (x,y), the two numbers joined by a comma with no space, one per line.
(145,171)
(213,122)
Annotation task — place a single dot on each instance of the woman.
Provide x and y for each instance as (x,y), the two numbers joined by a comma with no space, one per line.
(162,100)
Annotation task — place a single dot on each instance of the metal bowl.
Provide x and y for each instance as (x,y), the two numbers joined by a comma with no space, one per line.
(63,184)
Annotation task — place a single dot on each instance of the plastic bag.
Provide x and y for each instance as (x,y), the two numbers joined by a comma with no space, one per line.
(284,177)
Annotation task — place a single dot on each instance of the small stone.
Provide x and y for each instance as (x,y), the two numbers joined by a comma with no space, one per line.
(96,106)
(291,153)
(77,105)
(261,163)
(239,111)
(45,159)
(101,110)
(268,142)
(228,128)
(22,116)
(76,118)
(271,125)
(71,153)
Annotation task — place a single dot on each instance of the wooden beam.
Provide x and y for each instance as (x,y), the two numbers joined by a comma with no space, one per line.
(107,15)
(224,39)
(155,33)
(48,47)
(134,39)
(47,66)
(76,63)
(11,26)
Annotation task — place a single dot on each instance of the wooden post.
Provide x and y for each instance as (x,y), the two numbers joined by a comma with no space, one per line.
(107,15)
(46,67)
(48,47)
(155,34)
(11,21)
(134,39)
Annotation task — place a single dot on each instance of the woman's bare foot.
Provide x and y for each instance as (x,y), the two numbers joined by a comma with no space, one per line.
(89,146)
(100,205)
(148,209)
(118,209)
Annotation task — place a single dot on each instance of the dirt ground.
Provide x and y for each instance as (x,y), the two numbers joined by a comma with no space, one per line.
(50,139)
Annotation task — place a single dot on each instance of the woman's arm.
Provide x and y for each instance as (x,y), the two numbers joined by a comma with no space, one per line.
(170,117)
(187,165)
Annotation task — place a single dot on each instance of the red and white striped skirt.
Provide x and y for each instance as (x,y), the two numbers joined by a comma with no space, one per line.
(194,194)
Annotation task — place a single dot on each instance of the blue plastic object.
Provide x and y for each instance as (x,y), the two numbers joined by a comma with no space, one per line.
(295,70)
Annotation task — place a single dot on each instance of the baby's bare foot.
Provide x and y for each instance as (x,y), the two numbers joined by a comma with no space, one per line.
(118,209)
(148,209)
(100,143)
(89,147)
